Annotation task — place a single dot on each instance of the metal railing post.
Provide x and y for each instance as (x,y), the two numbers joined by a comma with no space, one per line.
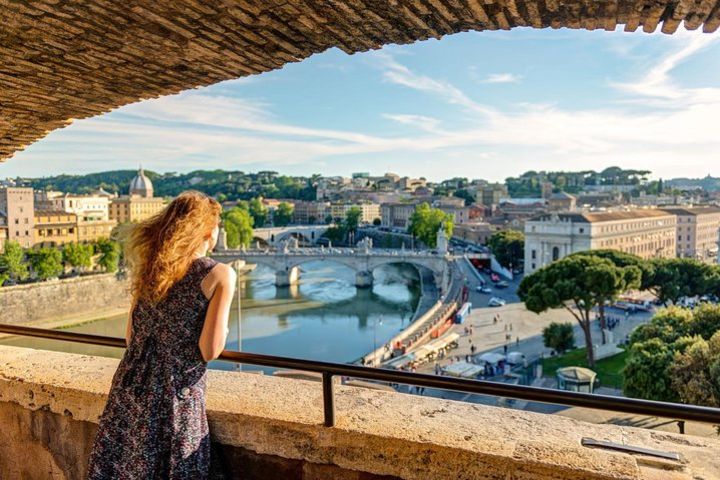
(328,399)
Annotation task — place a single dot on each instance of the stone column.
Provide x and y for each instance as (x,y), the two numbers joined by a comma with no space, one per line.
(287,277)
(363,279)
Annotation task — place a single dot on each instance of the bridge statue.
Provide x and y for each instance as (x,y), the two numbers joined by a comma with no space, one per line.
(366,244)
(442,240)
(222,240)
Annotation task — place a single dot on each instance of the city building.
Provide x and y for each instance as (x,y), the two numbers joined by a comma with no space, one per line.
(491,194)
(370,211)
(647,233)
(17,206)
(310,213)
(92,211)
(477,232)
(697,232)
(3,232)
(87,207)
(139,204)
(397,215)
(561,202)
(454,206)
(54,228)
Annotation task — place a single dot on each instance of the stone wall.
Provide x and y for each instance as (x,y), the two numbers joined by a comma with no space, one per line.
(70,60)
(272,428)
(57,299)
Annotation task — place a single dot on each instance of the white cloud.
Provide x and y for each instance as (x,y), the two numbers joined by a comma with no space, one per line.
(502,78)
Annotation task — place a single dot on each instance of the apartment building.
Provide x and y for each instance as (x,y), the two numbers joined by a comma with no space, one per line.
(54,228)
(16,207)
(370,211)
(697,232)
(310,213)
(647,233)
(397,214)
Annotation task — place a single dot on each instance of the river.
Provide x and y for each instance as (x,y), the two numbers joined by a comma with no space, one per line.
(323,318)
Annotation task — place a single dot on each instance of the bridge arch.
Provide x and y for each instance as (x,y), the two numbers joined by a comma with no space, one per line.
(170,46)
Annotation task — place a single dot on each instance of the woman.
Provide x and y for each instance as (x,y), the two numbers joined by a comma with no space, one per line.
(154,424)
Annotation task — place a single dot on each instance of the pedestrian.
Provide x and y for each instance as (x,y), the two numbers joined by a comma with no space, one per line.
(154,424)
(505,349)
(471,330)
(511,327)
(517,342)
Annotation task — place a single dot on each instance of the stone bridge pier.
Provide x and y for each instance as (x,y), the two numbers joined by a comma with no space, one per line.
(287,277)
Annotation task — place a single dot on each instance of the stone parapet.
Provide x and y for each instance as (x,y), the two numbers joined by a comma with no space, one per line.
(269,427)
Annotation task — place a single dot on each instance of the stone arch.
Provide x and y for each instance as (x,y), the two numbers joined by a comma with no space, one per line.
(301,237)
(167,46)
(263,242)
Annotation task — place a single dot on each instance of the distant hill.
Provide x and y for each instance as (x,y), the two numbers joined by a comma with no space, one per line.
(225,185)
(710,184)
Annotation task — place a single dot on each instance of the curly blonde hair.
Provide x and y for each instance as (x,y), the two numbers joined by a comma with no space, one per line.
(159,250)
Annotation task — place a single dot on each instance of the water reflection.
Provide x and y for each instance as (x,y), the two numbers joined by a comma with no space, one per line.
(323,318)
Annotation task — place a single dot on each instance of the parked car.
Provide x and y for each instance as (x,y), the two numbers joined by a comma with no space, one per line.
(496,302)
(502,284)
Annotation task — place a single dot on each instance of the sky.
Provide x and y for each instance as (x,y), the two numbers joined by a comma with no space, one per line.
(479,105)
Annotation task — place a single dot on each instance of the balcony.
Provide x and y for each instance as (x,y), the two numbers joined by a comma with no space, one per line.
(268,428)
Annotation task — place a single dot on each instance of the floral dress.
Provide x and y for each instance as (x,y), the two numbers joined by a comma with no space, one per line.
(154,424)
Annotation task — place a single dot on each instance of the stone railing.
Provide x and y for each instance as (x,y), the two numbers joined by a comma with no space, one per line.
(269,428)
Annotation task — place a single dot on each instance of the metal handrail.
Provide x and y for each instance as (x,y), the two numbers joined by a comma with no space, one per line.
(482,387)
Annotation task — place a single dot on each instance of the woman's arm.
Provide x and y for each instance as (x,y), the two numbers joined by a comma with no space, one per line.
(221,286)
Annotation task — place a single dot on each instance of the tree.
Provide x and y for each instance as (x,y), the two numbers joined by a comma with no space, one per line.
(238,224)
(352,219)
(425,222)
(3,278)
(77,255)
(283,214)
(377,222)
(258,211)
(675,278)
(620,259)
(508,246)
(674,339)
(559,336)
(695,372)
(109,251)
(328,219)
(578,284)
(12,261)
(46,262)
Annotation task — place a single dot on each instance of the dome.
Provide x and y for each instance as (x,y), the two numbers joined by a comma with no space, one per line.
(141,185)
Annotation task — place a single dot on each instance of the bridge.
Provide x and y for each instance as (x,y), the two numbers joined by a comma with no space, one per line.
(363,261)
(274,236)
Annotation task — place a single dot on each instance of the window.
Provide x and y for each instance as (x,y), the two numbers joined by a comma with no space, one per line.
(582,230)
(555,253)
(533,255)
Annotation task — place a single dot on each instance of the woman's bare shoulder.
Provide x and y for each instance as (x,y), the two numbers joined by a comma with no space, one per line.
(222,273)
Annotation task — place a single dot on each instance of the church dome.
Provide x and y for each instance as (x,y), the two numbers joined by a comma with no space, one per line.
(141,185)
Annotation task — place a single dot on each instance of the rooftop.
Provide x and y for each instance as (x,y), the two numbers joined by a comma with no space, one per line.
(692,210)
(599,217)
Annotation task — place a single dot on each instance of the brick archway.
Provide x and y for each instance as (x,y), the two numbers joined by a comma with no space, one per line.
(68,60)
